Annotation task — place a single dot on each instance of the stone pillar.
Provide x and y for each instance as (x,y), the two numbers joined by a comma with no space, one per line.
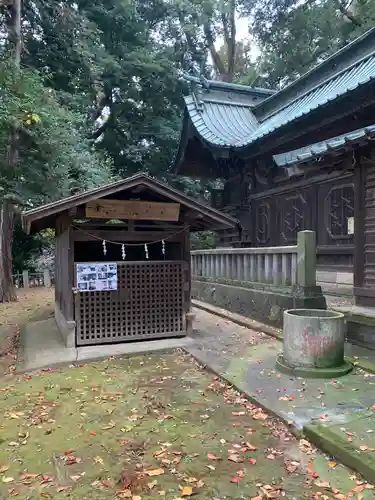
(47,278)
(306,258)
(25,279)
(306,294)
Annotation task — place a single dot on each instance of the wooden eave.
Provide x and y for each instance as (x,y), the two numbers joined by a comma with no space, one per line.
(193,214)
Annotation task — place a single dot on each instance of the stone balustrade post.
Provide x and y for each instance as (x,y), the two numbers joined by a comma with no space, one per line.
(25,278)
(306,258)
(47,278)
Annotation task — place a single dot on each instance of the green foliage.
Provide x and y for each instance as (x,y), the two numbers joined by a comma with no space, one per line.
(54,159)
(295,35)
(203,241)
(26,248)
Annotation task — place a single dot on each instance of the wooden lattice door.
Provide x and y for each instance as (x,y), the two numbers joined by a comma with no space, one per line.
(148,304)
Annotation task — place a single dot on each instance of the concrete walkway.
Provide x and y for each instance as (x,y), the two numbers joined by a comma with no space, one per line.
(41,346)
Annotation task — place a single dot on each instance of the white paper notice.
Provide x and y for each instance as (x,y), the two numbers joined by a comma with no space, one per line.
(96,277)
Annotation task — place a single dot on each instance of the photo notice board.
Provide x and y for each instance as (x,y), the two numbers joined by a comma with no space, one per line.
(96,277)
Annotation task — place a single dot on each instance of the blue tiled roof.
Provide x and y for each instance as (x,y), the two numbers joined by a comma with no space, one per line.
(323,148)
(222,124)
(233,124)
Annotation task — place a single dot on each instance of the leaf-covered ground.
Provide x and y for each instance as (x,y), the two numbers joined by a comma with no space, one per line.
(148,427)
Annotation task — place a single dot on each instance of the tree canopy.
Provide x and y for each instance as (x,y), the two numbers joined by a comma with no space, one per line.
(91,90)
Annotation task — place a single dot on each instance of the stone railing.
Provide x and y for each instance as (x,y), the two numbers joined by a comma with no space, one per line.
(28,279)
(259,282)
(287,266)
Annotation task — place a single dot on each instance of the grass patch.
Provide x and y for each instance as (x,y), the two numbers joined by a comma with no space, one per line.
(145,427)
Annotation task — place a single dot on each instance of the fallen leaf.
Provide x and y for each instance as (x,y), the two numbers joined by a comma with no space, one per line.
(152,484)
(235,479)
(322,484)
(363,447)
(29,476)
(110,425)
(7,479)
(331,465)
(257,498)
(358,488)
(211,456)
(93,433)
(250,447)
(235,458)
(124,494)
(3,468)
(252,461)
(136,497)
(260,416)
(211,467)
(238,413)
(61,489)
(186,491)
(155,472)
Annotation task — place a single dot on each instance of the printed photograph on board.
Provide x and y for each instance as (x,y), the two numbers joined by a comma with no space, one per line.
(96,277)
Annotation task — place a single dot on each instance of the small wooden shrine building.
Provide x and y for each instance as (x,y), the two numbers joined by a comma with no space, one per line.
(123,260)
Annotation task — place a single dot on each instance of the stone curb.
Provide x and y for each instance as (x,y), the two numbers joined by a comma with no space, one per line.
(276,333)
(342,450)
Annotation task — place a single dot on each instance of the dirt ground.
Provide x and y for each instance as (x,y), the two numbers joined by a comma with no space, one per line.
(32,305)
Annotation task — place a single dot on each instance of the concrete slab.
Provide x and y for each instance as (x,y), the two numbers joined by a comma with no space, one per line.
(43,347)
(130,348)
(236,353)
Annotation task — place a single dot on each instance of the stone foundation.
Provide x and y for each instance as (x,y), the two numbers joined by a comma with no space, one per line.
(67,328)
(260,302)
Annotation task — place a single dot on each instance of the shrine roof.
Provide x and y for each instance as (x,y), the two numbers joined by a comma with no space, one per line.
(232,118)
(323,148)
(196,215)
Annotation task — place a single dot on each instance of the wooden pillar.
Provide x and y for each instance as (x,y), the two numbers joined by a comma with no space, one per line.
(358,237)
(187,285)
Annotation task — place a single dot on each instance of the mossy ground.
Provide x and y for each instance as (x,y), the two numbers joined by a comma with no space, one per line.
(96,431)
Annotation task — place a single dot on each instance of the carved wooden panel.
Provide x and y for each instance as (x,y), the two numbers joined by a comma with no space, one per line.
(149,303)
(132,209)
(263,222)
(339,206)
(293,217)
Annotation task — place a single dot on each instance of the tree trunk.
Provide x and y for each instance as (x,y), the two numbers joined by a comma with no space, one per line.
(7,290)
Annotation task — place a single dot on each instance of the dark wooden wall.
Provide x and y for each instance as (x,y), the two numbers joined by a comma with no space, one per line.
(64,267)
(275,212)
(364,284)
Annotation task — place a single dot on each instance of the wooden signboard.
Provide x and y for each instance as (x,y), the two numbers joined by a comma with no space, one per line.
(132,209)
